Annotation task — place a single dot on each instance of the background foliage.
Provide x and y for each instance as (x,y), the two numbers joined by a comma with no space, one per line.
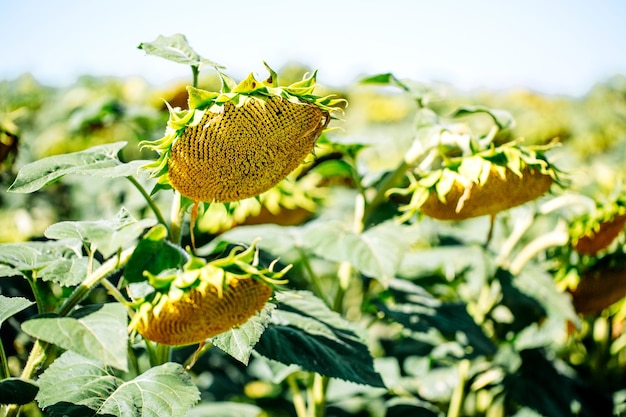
(385,319)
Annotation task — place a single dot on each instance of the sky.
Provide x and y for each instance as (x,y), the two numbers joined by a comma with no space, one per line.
(553,47)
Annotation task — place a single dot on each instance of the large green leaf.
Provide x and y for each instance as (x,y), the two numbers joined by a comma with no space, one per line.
(99,160)
(10,306)
(28,256)
(305,332)
(7,271)
(17,391)
(77,386)
(58,261)
(97,332)
(175,48)
(106,235)
(417,310)
(239,342)
(540,309)
(541,386)
(153,254)
(376,253)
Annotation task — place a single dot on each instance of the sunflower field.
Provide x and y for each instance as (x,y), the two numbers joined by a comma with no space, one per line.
(273,246)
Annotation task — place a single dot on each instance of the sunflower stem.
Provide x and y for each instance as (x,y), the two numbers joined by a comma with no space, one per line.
(151,203)
(458,395)
(4,364)
(298,400)
(195,70)
(381,193)
(32,281)
(177,216)
(93,279)
(557,237)
(313,277)
(319,389)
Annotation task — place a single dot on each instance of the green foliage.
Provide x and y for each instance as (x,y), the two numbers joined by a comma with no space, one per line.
(305,332)
(17,391)
(96,332)
(374,311)
(74,385)
(99,161)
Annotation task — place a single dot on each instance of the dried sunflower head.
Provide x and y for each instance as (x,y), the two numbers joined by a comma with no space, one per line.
(204,299)
(459,176)
(241,141)
(595,231)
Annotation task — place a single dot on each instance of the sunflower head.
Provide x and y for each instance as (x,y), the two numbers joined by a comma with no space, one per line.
(454,174)
(596,230)
(241,141)
(203,299)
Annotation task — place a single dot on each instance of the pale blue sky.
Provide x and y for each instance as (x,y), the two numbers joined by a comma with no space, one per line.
(559,46)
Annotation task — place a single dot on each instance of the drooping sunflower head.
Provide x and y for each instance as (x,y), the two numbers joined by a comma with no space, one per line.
(203,299)
(596,230)
(241,141)
(455,174)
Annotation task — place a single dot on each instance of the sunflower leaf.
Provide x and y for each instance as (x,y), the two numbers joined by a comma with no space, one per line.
(99,160)
(239,342)
(299,334)
(376,253)
(17,391)
(96,332)
(9,306)
(77,386)
(107,236)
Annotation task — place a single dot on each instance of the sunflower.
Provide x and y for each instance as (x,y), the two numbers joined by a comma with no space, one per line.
(203,299)
(241,141)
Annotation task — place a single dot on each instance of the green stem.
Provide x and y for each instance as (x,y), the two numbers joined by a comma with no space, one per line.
(520,228)
(36,357)
(195,70)
(298,400)
(4,363)
(458,396)
(32,281)
(93,279)
(320,386)
(117,294)
(39,351)
(163,354)
(313,278)
(381,193)
(151,203)
(177,216)
(558,237)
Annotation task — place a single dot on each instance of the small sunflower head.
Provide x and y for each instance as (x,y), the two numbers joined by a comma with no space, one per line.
(203,299)
(596,230)
(241,141)
(455,175)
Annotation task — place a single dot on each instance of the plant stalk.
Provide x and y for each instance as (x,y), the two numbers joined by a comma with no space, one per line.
(4,363)
(558,237)
(458,396)
(94,279)
(381,193)
(177,216)
(298,400)
(155,209)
